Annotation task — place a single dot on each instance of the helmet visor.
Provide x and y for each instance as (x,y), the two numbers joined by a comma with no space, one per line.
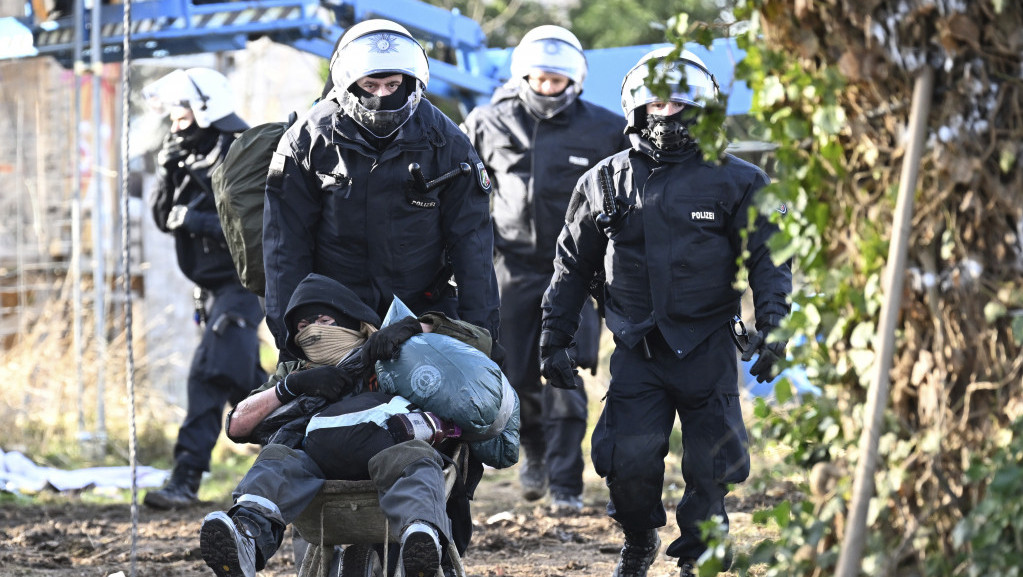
(686,82)
(380,51)
(173,90)
(549,55)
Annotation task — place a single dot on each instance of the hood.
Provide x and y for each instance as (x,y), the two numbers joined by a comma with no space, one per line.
(317,288)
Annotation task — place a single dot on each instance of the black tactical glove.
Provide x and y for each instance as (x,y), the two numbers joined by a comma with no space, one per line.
(171,155)
(556,365)
(769,354)
(328,382)
(385,344)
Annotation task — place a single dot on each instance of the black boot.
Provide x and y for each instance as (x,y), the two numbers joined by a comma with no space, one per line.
(181,490)
(639,552)
(533,474)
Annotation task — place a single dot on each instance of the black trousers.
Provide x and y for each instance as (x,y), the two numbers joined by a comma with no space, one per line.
(552,420)
(630,440)
(225,368)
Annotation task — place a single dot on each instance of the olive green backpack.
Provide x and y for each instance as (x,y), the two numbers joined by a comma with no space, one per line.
(239,188)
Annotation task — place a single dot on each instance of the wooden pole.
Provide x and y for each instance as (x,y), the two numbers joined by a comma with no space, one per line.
(877,396)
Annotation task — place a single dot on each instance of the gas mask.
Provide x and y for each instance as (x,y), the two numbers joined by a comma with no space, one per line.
(669,132)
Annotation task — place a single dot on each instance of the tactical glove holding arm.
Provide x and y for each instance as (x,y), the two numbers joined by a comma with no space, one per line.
(385,344)
(328,382)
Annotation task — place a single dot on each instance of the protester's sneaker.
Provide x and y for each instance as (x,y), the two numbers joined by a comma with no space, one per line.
(420,550)
(565,505)
(687,568)
(638,553)
(533,478)
(226,547)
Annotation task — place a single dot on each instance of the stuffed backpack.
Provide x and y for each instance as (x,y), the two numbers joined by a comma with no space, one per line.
(239,187)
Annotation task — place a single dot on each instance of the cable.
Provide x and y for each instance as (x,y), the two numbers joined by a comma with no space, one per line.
(126,264)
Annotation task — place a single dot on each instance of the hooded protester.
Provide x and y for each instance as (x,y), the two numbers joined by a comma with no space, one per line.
(384,438)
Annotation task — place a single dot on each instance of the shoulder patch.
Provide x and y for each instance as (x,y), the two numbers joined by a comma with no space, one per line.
(277,162)
(483,177)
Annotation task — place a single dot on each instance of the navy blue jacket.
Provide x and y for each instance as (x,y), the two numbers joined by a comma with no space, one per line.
(337,206)
(671,259)
(535,165)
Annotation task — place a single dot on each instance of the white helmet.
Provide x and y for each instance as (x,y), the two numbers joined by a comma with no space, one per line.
(699,84)
(551,49)
(373,47)
(205,91)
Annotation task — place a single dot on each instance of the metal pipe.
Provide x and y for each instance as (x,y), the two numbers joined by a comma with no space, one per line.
(76,215)
(98,224)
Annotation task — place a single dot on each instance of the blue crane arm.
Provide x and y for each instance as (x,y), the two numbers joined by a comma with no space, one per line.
(461,65)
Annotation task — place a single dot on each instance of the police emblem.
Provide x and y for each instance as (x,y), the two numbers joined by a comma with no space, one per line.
(484,177)
(382,43)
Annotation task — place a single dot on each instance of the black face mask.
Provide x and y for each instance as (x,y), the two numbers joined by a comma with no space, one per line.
(194,138)
(392,101)
(669,132)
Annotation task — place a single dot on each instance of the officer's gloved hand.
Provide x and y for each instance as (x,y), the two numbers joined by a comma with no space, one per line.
(171,155)
(424,426)
(328,382)
(385,344)
(178,217)
(769,351)
(556,365)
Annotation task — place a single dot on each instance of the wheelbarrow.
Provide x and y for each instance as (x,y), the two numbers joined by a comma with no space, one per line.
(347,513)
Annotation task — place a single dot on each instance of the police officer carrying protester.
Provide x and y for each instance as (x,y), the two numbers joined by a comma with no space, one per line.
(536,138)
(667,234)
(225,366)
(376,188)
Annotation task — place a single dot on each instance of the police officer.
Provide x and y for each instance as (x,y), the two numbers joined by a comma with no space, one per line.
(668,247)
(343,201)
(225,367)
(536,138)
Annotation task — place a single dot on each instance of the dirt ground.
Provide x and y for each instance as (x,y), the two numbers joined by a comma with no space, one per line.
(69,537)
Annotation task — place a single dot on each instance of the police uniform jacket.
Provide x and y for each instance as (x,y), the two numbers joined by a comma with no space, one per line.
(202,250)
(337,206)
(535,165)
(670,258)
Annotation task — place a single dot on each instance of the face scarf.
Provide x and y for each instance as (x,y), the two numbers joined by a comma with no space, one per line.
(329,344)
(669,132)
(546,107)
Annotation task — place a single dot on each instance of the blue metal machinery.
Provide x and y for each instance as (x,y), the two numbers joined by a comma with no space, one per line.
(461,65)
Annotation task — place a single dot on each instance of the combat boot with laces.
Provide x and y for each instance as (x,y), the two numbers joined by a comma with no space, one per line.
(638,554)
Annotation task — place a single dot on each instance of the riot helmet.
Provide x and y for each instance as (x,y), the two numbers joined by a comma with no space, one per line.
(699,84)
(379,48)
(550,49)
(690,84)
(204,91)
